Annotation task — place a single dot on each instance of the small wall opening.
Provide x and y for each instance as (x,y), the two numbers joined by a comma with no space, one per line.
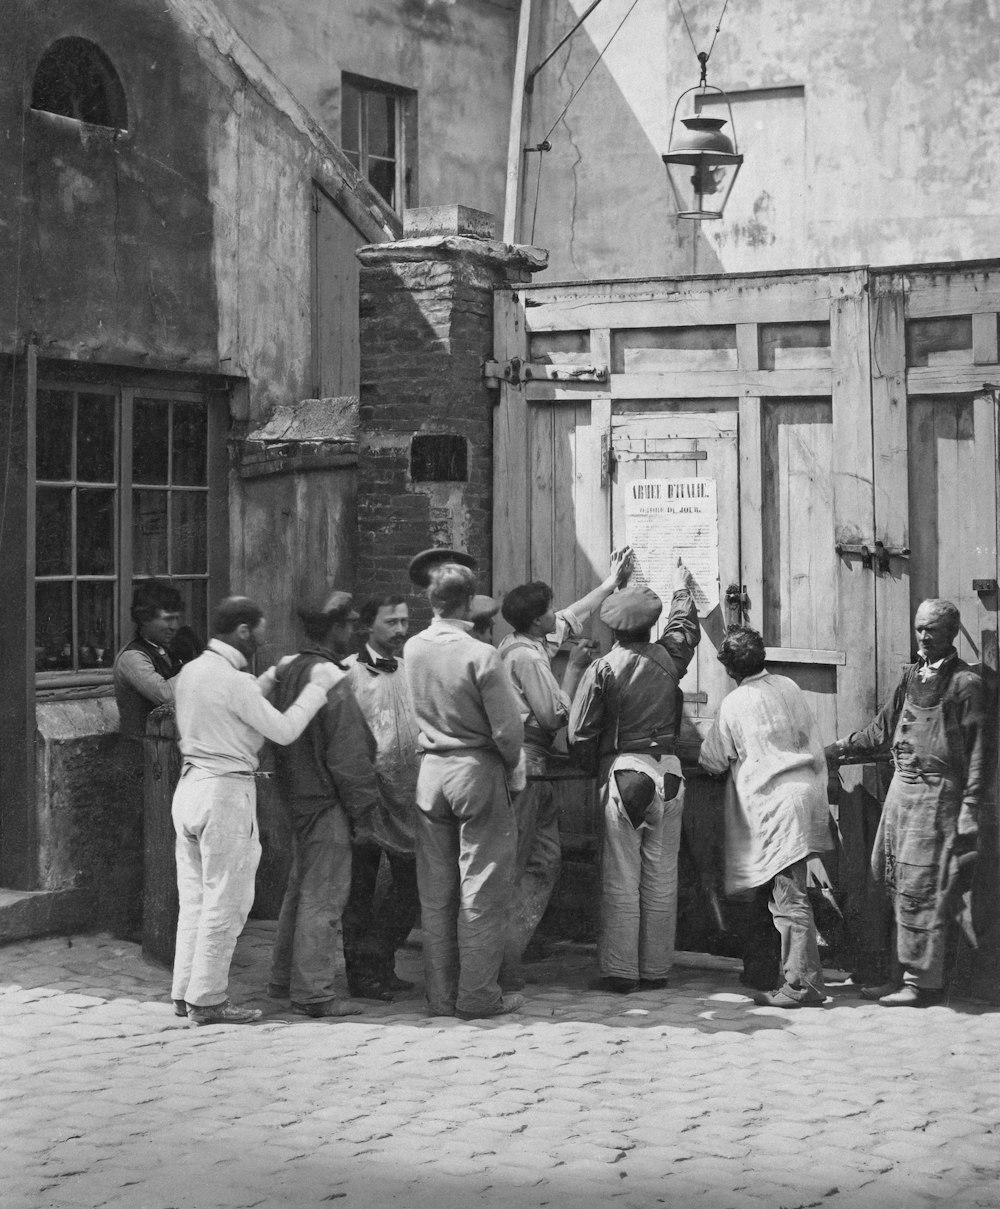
(440,457)
(76,79)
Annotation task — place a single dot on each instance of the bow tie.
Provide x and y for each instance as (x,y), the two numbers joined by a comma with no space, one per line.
(380,664)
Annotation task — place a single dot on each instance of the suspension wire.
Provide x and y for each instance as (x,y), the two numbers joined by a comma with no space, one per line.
(579,89)
(708,53)
(534,209)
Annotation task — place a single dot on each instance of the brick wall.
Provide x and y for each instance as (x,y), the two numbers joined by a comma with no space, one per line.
(426,329)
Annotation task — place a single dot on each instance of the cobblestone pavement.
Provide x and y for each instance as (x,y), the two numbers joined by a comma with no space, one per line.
(685,1097)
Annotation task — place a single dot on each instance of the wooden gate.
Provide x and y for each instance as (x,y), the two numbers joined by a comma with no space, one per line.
(854,460)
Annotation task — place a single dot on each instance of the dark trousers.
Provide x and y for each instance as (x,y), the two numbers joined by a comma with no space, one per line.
(376,925)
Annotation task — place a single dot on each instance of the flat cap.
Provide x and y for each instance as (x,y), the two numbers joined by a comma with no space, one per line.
(632,608)
(422,564)
(482,607)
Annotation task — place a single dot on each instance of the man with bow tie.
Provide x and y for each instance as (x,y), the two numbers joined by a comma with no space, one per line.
(376,925)
(929,831)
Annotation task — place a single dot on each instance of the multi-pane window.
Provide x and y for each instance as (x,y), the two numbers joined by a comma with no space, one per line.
(121,493)
(374,136)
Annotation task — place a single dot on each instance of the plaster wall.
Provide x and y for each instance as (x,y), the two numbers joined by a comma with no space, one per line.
(457,55)
(890,155)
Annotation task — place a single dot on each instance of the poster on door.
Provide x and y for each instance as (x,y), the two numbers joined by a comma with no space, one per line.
(671,519)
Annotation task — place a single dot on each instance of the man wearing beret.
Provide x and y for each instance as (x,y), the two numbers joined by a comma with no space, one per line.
(527,653)
(471,736)
(623,726)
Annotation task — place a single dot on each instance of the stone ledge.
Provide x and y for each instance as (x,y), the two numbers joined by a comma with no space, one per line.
(28,913)
(521,257)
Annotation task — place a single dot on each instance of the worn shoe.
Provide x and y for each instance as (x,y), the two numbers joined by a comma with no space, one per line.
(617,986)
(911,996)
(328,1007)
(653,984)
(879,991)
(394,983)
(508,1003)
(369,988)
(276,990)
(180,1007)
(222,1013)
(789,997)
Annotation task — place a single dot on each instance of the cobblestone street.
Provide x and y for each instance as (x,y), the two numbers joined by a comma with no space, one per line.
(690,1096)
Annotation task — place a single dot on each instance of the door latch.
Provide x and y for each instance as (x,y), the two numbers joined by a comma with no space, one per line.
(737,605)
(875,557)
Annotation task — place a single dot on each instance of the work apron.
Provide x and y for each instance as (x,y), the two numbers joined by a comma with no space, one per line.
(916,832)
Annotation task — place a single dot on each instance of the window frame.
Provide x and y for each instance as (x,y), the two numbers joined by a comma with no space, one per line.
(405,133)
(216,574)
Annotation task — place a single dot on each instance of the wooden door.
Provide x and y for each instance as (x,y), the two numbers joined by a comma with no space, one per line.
(685,439)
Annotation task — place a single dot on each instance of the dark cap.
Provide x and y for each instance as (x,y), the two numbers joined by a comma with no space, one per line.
(422,564)
(634,608)
(482,607)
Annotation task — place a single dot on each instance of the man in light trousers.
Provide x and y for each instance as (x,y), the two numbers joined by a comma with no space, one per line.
(471,736)
(223,720)
(623,726)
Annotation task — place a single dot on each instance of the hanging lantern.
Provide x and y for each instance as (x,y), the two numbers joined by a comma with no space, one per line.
(703,162)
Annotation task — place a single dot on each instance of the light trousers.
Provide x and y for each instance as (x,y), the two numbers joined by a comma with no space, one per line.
(792,914)
(466,841)
(639,888)
(218,851)
(305,948)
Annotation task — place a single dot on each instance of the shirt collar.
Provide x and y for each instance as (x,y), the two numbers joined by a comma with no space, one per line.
(451,623)
(229,653)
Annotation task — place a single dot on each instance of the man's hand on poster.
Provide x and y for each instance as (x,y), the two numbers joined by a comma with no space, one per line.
(682,578)
(622,564)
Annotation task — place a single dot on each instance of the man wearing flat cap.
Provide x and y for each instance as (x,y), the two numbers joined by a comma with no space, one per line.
(623,726)
(327,783)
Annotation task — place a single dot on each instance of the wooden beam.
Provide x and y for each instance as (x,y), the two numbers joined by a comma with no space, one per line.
(515,152)
(510,443)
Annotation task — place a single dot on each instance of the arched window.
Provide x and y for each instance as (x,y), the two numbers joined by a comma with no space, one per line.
(76,79)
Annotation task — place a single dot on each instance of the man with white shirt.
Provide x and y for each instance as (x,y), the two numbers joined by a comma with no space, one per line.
(766,736)
(928,836)
(223,718)
(527,654)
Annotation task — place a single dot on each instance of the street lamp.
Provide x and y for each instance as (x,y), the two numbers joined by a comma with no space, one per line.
(703,162)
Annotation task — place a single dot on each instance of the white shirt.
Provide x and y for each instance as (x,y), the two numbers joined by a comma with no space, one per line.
(767,735)
(223,717)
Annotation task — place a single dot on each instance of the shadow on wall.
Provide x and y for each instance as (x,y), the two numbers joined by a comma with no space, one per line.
(599,200)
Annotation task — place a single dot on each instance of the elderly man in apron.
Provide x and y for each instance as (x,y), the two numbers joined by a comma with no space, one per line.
(623,725)
(929,830)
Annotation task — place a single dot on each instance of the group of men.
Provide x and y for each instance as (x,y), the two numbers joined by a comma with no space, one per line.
(414,774)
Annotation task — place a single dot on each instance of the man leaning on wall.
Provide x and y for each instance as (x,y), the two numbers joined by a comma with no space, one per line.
(144,672)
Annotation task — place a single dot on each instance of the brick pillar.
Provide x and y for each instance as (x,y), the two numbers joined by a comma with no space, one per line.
(425,471)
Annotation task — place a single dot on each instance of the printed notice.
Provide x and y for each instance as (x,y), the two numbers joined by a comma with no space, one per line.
(667,519)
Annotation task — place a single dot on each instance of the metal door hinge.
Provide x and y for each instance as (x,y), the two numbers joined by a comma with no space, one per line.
(515,371)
